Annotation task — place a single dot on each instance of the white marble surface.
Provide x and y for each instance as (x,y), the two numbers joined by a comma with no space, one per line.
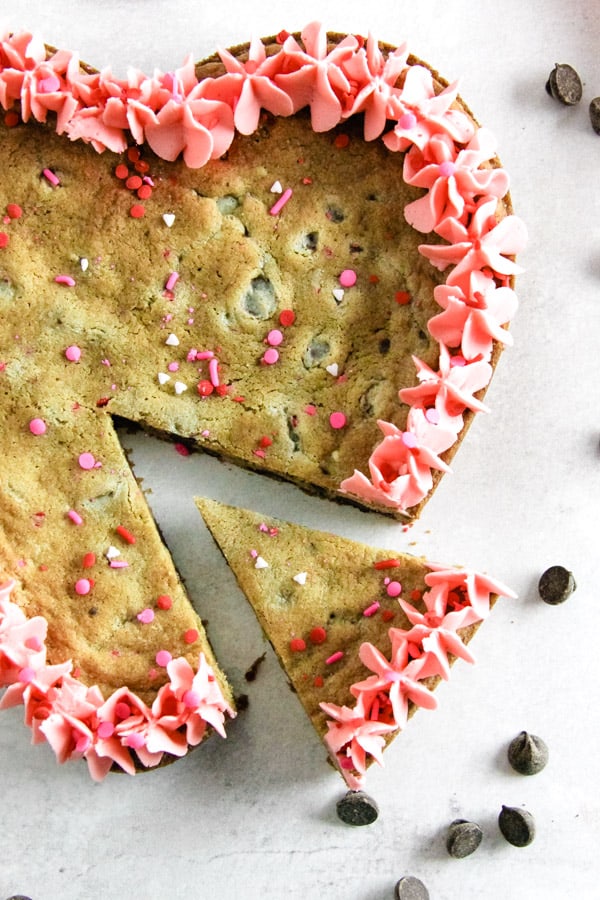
(254,816)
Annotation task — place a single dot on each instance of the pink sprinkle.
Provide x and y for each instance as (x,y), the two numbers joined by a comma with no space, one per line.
(348,278)
(82,743)
(372,609)
(49,85)
(65,279)
(75,517)
(260,453)
(274,337)
(163,658)
(310,410)
(409,439)
(136,741)
(173,367)
(34,643)
(105,730)
(26,675)
(146,616)
(254,554)
(270,356)
(51,177)
(432,415)
(407,121)
(192,355)
(337,420)
(73,353)
(118,564)
(83,587)
(172,281)
(213,371)
(458,361)
(37,427)
(279,204)
(335,657)
(446,169)
(122,710)
(86,460)
(191,699)
(394,589)
(205,354)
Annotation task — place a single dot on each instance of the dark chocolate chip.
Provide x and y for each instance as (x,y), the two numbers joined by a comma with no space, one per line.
(334,214)
(564,84)
(18,897)
(463,838)
(357,808)
(517,826)
(316,351)
(595,114)
(527,753)
(556,585)
(259,301)
(411,888)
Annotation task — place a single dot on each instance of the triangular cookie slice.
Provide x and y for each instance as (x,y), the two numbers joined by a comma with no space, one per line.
(364,634)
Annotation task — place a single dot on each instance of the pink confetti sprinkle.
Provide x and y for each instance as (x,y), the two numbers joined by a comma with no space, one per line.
(337,420)
(65,279)
(279,204)
(274,337)
(105,730)
(82,743)
(432,415)
(163,658)
(191,699)
(118,564)
(213,371)
(49,85)
(372,609)
(407,121)
(172,281)
(254,554)
(394,589)
(409,440)
(335,657)
(447,168)
(87,461)
(83,586)
(136,741)
(73,353)
(34,643)
(26,675)
(37,427)
(270,356)
(310,409)
(348,278)
(146,616)
(260,453)
(75,517)
(51,177)
(173,367)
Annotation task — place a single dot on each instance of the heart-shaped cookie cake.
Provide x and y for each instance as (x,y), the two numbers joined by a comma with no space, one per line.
(230,254)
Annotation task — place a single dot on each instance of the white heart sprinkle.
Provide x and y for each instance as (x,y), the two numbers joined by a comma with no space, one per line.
(338,293)
(112,552)
(332,369)
(168,219)
(276,187)
(180,387)
(163,377)
(84,263)
(261,563)
(172,340)
(300,577)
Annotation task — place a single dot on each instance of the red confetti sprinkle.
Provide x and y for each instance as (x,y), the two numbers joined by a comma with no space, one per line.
(416,594)
(3,239)
(11,119)
(103,401)
(341,141)
(182,449)
(14,210)
(265,441)
(387,564)
(121,171)
(318,635)
(287,317)
(297,645)
(402,297)
(137,211)
(387,615)
(191,636)
(133,154)
(126,535)
(133,182)
(205,388)
(145,192)
(222,389)
(373,279)
(89,560)
(142,166)
(164,602)
(318,682)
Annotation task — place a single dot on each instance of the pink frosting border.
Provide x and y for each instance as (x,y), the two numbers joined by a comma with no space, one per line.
(455,163)
(445,154)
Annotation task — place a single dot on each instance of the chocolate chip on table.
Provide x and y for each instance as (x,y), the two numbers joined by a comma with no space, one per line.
(411,888)
(564,84)
(517,826)
(463,838)
(556,585)
(595,114)
(357,808)
(18,897)
(527,753)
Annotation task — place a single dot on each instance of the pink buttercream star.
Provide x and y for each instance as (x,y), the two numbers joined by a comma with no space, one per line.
(478,587)
(373,76)
(353,736)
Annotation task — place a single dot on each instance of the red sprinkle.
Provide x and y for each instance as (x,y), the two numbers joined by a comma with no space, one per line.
(318,635)
(3,239)
(387,564)
(126,535)
(137,211)
(14,210)
(341,141)
(265,441)
(318,682)
(164,602)
(402,297)
(287,317)
(122,172)
(89,560)
(205,388)
(297,645)
(416,594)
(145,192)
(191,636)
(11,119)
(182,449)
(335,657)
(133,154)
(387,615)
(282,37)
(133,182)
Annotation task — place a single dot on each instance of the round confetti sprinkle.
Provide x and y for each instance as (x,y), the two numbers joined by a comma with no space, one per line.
(164,602)
(83,586)
(527,754)
(297,645)
(89,560)
(287,317)
(86,461)
(14,210)
(517,826)
(205,388)
(137,211)
(163,658)
(357,808)
(337,420)
(37,426)
(146,616)
(105,730)
(270,356)
(410,888)
(347,278)
(191,636)
(73,353)
(318,635)
(274,337)
(3,239)
(402,297)
(394,589)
